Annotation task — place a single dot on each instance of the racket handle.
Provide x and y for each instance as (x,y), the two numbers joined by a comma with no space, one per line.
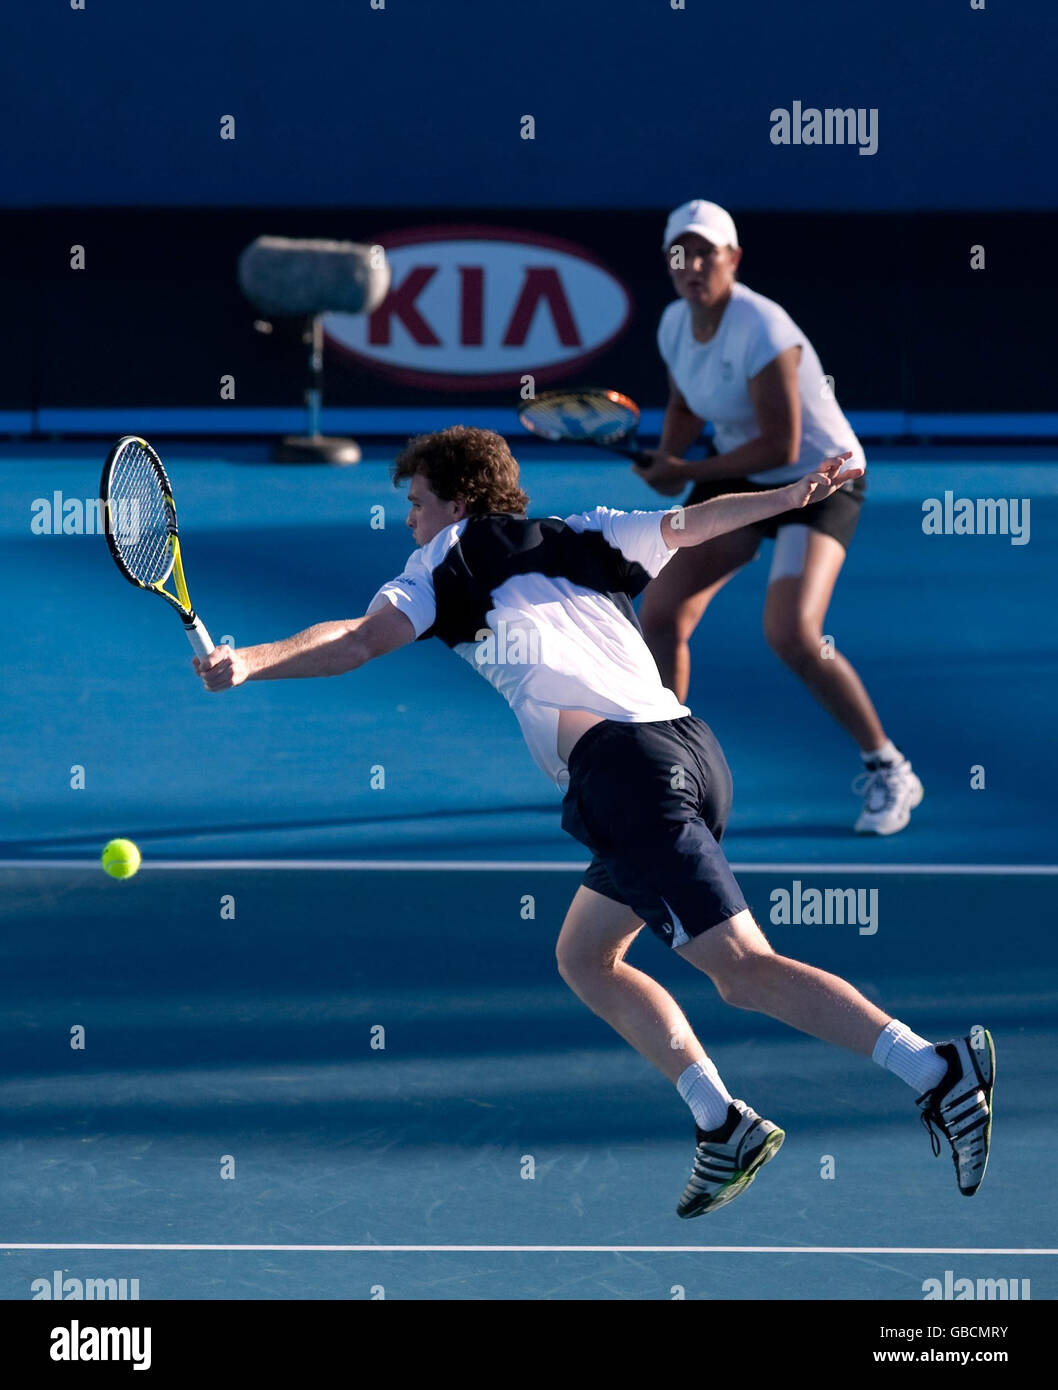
(640,457)
(201,641)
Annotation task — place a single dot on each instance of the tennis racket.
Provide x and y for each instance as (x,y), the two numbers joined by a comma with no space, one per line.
(604,419)
(140,517)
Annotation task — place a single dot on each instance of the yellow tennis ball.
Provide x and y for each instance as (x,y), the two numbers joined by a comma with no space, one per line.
(121,858)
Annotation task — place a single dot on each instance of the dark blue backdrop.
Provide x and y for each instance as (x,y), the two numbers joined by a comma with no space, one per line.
(636,104)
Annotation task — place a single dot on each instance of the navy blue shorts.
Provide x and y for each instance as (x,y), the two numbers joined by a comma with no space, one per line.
(651,801)
(835,516)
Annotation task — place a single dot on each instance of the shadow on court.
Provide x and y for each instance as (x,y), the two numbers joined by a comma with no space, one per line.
(231,1015)
(253,1037)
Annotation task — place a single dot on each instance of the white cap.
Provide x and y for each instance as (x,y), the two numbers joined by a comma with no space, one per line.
(707,219)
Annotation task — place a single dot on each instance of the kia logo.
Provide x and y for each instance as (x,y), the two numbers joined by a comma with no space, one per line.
(473,307)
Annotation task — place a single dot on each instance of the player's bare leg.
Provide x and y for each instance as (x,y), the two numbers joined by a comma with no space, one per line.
(736,956)
(795,611)
(955,1078)
(592,945)
(739,960)
(595,936)
(674,601)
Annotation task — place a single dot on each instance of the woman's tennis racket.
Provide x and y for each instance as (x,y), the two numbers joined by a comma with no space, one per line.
(604,419)
(141,529)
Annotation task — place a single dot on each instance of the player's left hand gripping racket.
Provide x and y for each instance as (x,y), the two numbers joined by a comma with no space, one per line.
(141,529)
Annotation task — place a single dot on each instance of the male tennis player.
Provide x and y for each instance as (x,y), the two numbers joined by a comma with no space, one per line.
(738,359)
(647,789)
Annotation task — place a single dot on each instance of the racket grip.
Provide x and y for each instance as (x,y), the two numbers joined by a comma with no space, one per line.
(201,641)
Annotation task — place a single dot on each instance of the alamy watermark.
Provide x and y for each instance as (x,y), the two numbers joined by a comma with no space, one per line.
(77,1343)
(84,516)
(71,1288)
(509,645)
(833,125)
(825,907)
(978,516)
(951,1288)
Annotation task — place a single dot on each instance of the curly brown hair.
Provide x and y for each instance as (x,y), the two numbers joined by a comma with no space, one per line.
(475,466)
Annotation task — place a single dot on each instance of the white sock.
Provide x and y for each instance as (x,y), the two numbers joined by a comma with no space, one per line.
(888,753)
(911,1058)
(701,1087)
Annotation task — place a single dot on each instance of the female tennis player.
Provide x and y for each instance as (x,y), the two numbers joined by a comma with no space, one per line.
(647,789)
(738,360)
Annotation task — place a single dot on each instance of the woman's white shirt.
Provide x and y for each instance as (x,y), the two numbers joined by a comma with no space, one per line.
(714,378)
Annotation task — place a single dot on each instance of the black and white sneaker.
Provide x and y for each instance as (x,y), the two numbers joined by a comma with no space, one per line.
(960,1106)
(726,1159)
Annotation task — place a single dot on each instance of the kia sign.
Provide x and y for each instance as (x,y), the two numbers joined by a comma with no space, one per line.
(481,307)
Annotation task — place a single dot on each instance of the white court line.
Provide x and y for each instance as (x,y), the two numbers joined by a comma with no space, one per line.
(549,866)
(583,1249)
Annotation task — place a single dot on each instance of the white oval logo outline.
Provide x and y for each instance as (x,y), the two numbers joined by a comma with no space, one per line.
(482,290)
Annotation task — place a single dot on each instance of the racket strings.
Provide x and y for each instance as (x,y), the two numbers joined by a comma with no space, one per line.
(140,516)
(580,416)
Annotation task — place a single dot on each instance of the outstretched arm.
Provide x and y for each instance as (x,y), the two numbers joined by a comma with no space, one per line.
(328,649)
(692,525)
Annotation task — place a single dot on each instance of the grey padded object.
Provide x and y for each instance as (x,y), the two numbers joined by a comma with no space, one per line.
(287,275)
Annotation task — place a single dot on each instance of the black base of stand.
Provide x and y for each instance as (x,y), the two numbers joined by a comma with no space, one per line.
(318,448)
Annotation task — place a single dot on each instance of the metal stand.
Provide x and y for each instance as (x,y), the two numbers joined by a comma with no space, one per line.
(314,447)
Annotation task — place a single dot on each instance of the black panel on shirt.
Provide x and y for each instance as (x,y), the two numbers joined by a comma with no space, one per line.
(494,548)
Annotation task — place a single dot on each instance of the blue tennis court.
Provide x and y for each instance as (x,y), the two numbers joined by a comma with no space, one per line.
(326,1048)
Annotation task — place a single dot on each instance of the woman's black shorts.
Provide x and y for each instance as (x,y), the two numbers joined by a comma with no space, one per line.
(835,516)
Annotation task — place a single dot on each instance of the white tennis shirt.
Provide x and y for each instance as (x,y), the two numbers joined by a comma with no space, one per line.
(714,377)
(541,608)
